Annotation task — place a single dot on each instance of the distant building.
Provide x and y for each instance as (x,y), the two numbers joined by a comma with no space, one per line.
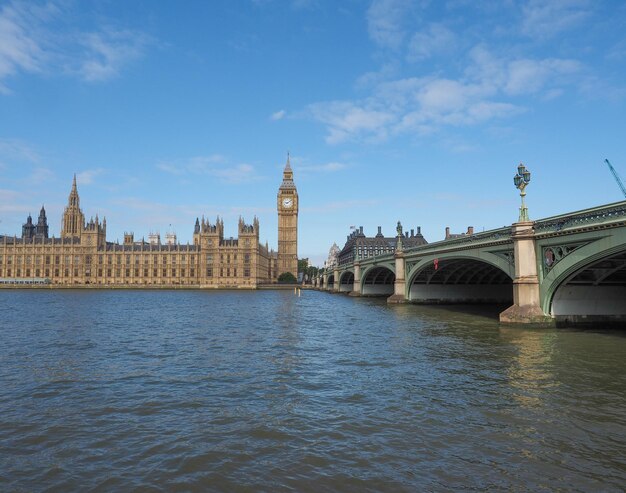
(82,255)
(155,238)
(451,236)
(333,256)
(170,238)
(31,231)
(357,244)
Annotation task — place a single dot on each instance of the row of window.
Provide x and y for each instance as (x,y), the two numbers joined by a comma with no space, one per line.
(137,259)
(122,272)
(374,251)
(227,257)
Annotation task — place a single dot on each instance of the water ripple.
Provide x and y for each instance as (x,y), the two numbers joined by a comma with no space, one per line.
(264,391)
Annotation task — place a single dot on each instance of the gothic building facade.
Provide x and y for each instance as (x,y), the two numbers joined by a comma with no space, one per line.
(360,246)
(82,255)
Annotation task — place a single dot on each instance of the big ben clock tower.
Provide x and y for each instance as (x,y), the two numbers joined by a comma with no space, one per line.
(288,224)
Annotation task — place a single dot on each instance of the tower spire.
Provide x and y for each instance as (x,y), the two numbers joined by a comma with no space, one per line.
(288,175)
(73,218)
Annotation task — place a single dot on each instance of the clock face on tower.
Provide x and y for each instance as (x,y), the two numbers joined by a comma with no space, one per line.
(287,203)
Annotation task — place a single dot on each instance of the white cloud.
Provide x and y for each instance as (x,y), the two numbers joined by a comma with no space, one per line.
(530,76)
(432,41)
(170,168)
(546,19)
(203,164)
(20,50)
(87,177)
(108,51)
(324,168)
(10,202)
(214,165)
(385,22)
(295,4)
(488,88)
(15,150)
(372,79)
(279,115)
(346,119)
(30,41)
(40,175)
(241,173)
(194,165)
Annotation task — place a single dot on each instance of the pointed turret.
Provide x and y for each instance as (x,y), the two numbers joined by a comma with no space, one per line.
(74,199)
(288,183)
(28,229)
(73,218)
(41,230)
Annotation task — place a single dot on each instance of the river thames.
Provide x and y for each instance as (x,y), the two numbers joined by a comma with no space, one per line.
(267,391)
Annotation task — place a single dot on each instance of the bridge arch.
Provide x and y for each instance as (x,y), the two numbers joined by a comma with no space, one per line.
(460,277)
(346,281)
(331,282)
(589,284)
(378,280)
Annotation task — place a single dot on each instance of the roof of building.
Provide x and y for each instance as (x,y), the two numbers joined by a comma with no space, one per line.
(358,239)
(287,183)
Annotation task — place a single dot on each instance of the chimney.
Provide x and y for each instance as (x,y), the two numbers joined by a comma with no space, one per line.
(412,233)
(380,230)
(447,232)
(419,230)
(361,229)
(470,230)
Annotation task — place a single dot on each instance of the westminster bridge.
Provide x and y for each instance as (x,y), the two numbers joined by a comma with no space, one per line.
(567,268)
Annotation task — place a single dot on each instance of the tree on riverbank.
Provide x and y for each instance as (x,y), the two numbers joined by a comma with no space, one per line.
(287,278)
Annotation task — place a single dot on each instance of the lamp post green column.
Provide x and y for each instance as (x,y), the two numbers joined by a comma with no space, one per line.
(526,307)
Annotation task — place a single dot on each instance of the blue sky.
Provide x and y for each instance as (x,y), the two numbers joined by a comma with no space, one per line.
(392,110)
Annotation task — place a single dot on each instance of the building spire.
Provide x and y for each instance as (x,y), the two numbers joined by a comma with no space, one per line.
(287,175)
(73,218)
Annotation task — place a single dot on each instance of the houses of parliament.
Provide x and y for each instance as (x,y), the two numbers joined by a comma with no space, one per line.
(82,256)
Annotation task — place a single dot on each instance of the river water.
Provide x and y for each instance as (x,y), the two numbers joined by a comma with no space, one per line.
(267,391)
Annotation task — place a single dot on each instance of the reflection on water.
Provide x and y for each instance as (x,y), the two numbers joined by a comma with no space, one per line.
(237,391)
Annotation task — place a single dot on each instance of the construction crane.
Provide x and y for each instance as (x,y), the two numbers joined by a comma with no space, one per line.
(616,176)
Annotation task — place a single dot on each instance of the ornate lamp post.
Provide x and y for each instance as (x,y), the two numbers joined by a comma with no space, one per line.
(521,180)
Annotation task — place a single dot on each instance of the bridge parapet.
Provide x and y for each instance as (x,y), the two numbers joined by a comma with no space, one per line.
(491,236)
(594,218)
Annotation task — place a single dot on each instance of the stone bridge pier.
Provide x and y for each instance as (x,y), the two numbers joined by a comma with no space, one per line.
(399,286)
(526,306)
(356,286)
